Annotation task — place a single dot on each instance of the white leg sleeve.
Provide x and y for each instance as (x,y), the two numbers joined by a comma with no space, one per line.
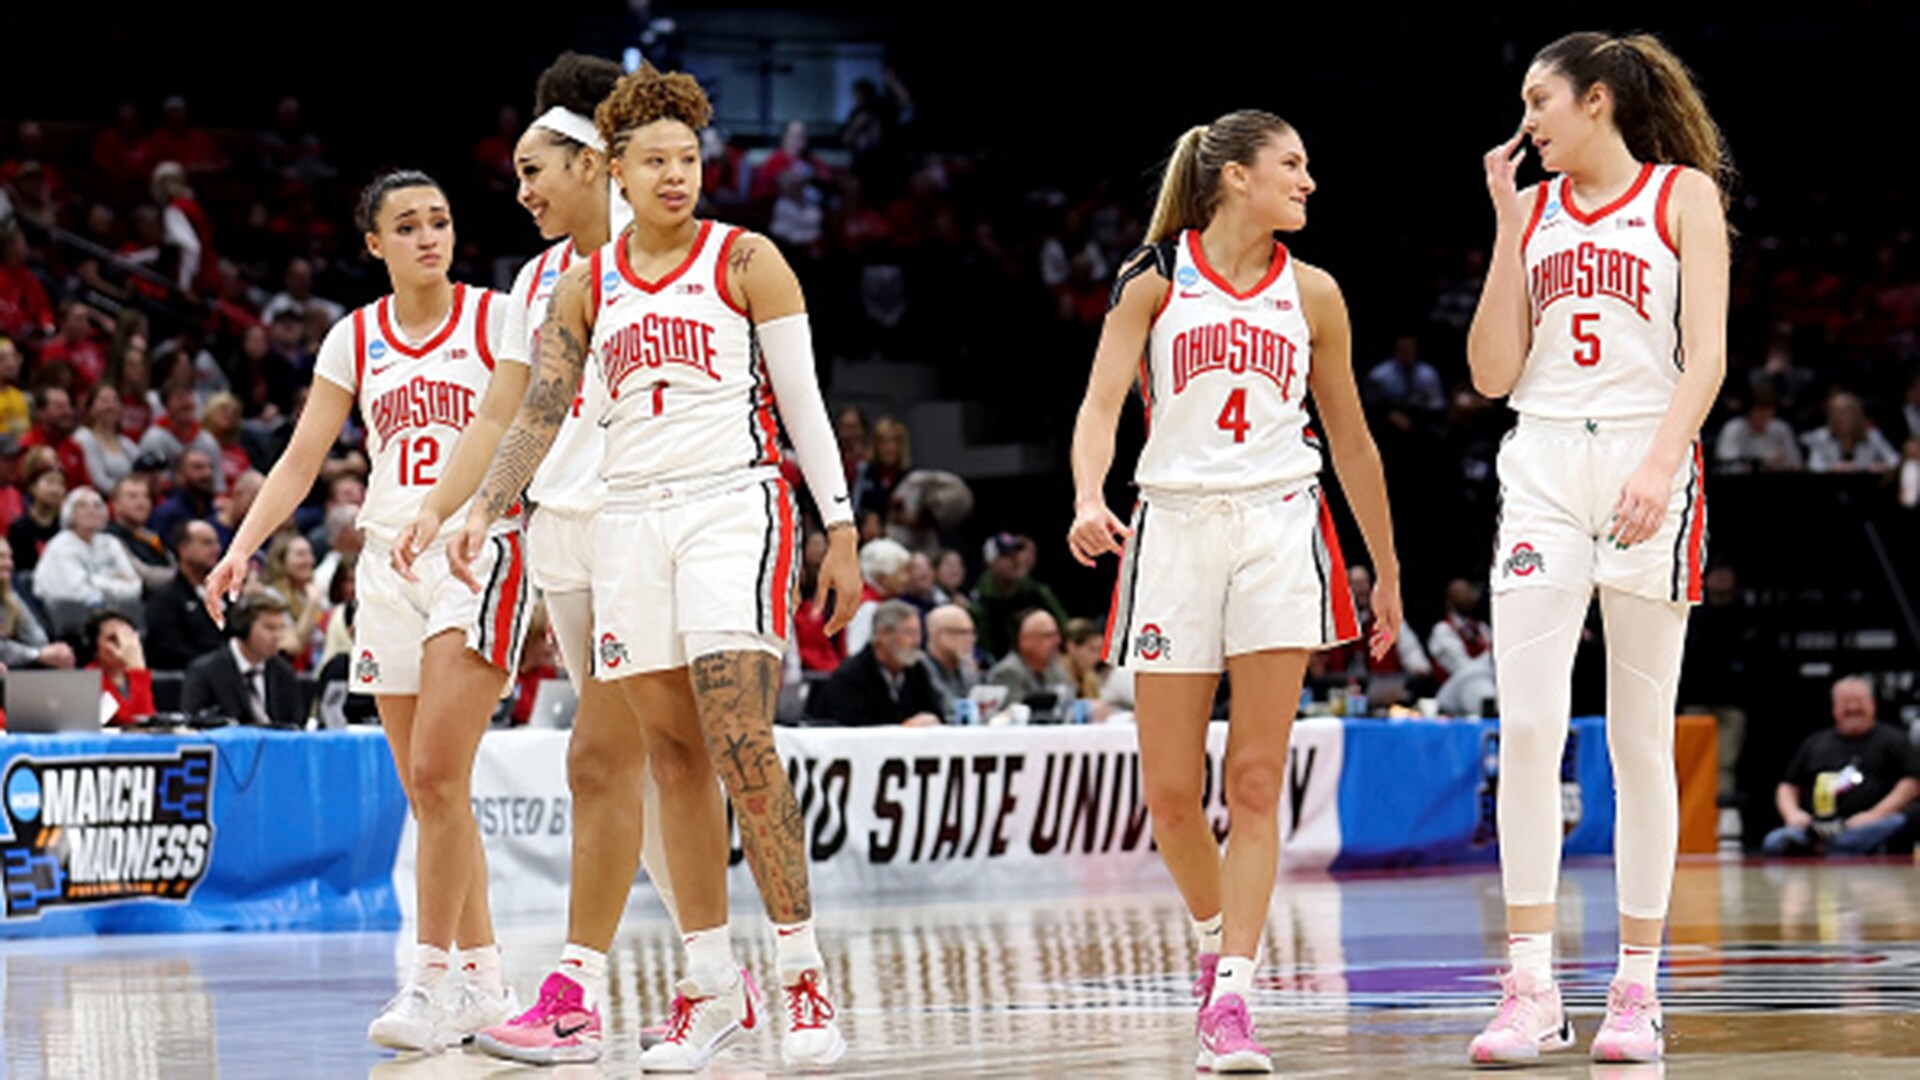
(1645,639)
(1535,633)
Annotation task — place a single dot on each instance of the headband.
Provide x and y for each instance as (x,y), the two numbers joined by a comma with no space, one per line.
(565,121)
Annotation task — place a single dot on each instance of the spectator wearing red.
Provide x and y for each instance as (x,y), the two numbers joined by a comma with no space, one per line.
(536,665)
(30,154)
(792,156)
(54,421)
(46,488)
(12,503)
(178,140)
(187,230)
(78,346)
(131,372)
(122,663)
(818,652)
(120,151)
(25,311)
(179,430)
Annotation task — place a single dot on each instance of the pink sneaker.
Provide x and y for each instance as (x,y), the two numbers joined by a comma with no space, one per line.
(558,1029)
(1203,986)
(1531,1019)
(1226,1039)
(1633,1029)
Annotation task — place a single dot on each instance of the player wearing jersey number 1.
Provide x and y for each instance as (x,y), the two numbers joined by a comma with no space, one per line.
(564,184)
(1230,560)
(434,655)
(697,334)
(1604,317)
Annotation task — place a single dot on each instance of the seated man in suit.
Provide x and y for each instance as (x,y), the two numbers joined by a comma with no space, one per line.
(247,679)
(884,683)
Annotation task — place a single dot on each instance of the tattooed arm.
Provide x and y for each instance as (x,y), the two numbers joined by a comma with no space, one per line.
(550,394)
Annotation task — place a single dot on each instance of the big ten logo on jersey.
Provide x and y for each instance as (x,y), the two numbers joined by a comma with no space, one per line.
(93,830)
(653,342)
(1235,347)
(1590,270)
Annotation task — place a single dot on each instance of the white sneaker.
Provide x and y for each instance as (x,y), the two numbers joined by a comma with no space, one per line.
(473,1010)
(416,1019)
(700,1026)
(812,1038)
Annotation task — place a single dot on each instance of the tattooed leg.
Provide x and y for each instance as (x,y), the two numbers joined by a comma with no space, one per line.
(736,693)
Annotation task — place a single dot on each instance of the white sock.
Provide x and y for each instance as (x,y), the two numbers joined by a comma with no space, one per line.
(1235,977)
(481,966)
(710,962)
(1533,955)
(795,949)
(588,968)
(1206,936)
(1639,964)
(430,965)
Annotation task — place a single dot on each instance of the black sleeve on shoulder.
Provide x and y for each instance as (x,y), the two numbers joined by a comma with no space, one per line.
(1159,256)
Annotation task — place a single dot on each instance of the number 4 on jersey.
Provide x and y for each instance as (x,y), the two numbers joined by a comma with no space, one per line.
(1233,415)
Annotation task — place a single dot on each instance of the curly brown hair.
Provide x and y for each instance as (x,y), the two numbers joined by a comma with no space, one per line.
(645,96)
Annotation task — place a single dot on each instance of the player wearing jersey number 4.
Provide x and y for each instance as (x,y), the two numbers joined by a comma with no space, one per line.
(434,654)
(696,333)
(1231,559)
(564,185)
(1604,317)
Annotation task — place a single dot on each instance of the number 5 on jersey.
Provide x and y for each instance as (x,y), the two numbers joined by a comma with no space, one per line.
(1588,354)
(1233,415)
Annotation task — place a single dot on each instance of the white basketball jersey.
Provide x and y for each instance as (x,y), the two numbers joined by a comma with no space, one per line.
(1225,380)
(569,479)
(686,389)
(1605,296)
(415,398)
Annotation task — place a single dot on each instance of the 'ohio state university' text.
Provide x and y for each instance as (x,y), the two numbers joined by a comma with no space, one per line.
(1587,270)
(1237,347)
(419,402)
(655,340)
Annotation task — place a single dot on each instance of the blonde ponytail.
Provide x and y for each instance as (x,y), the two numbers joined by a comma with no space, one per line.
(1190,186)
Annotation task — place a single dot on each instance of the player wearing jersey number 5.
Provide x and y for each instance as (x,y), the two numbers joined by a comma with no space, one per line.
(1231,559)
(1604,318)
(696,333)
(434,654)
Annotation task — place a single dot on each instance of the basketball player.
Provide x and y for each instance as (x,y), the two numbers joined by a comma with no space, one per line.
(562,162)
(434,654)
(1231,558)
(1604,317)
(697,331)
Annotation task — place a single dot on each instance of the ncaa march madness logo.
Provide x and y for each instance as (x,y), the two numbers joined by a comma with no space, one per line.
(95,830)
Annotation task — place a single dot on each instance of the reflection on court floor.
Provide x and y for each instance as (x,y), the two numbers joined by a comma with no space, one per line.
(1773,971)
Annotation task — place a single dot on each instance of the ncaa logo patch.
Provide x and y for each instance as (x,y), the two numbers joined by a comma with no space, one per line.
(612,652)
(609,279)
(366,669)
(549,276)
(376,350)
(1188,276)
(1553,207)
(1523,562)
(1151,644)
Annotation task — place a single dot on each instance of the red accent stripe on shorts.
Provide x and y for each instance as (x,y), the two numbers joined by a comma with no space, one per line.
(1113,606)
(1697,530)
(782,583)
(1346,624)
(507,604)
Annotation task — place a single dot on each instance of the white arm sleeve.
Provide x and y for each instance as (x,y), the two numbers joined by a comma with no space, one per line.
(787,344)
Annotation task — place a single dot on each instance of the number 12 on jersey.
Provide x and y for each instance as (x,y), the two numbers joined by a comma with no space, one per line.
(1233,415)
(417,455)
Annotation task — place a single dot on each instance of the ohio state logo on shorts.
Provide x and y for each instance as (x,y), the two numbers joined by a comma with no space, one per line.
(1523,562)
(366,669)
(1151,644)
(612,652)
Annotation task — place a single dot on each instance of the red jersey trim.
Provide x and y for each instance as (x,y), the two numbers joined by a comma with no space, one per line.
(480,328)
(638,282)
(1627,196)
(439,337)
(504,607)
(1697,530)
(598,299)
(1533,220)
(1199,256)
(1660,210)
(359,348)
(533,284)
(720,271)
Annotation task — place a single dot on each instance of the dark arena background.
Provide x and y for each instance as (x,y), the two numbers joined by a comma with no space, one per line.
(971,176)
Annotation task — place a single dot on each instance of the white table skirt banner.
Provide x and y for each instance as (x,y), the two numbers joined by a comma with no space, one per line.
(904,812)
